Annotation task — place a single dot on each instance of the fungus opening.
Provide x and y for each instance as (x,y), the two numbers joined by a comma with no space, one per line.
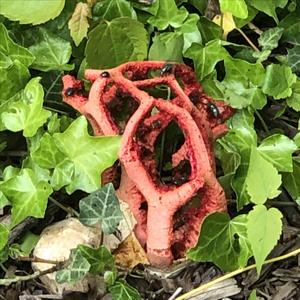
(121,108)
(162,91)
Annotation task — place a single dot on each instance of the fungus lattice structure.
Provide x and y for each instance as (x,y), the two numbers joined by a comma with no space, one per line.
(128,100)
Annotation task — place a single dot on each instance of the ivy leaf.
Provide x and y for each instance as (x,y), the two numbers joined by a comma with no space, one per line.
(291,181)
(89,155)
(208,29)
(28,195)
(51,52)
(112,9)
(121,290)
(28,113)
(239,9)
(13,79)
(76,270)
(245,72)
(294,100)
(268,7)
(4,233)
(269,38)
(265,185)
(79,24)
(101,206)
(168,14)
(167,46)
(294,58)
(223,242)
(9,49)
(263,230)
(47,155)
(62,174)
(226,22)
(99,259)
(278,149)
(190,31)
(28,242)
(113,43)
(278,81)
(31,11)
(205,58)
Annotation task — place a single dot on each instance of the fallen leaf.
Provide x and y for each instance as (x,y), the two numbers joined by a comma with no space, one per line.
(227,24)
(130,253)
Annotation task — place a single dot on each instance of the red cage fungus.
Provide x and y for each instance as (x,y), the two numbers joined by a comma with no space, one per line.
(125,100)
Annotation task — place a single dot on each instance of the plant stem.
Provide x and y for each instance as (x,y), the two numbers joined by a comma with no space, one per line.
(14,153)
(8,281)
(68,210)
(3,268)
(55,110)
(39,260)
(203,287)
(263,123)
(247,39)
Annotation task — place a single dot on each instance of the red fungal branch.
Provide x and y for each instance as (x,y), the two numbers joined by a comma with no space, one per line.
(169,213)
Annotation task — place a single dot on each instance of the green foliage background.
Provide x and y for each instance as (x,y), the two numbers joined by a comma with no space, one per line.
(46,148)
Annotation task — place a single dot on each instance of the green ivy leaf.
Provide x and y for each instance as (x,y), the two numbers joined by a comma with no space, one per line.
(77,268)
(112,9)
(263,230)
(269,38)
(101,206)
(252,296)
(4,233)
(223,242)
(90,155)
(28,195)
(62,174)
(278,149)
(113,43)
(12,51)
(51,52)
(294,100)
(278,81)
(265,186)
(238,9)
(205,58)
(190,31)
(79,24)
(121,290)
(208,29)
(167,46)
(47,155)
(242,71)
(291,181)
(13,79)
(28,242)
(28,113)
(268,7)
(100,259)
(294,58)
(31,11)
(168,14)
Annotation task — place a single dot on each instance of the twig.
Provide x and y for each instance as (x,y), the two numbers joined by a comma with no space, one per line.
(14,153)
(255,28)
(247,39)
(203,287)
(176,293)
(8,281)
(39,260)
(68,210)
(263,123)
